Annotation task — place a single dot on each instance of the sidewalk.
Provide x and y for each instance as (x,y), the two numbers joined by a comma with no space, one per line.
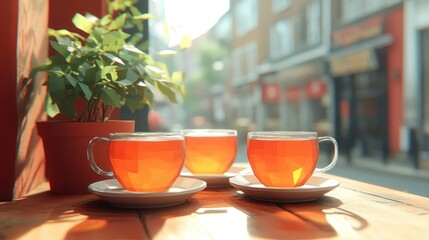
(403,168)
(401,178)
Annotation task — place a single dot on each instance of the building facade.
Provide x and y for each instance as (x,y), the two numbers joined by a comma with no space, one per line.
(416,84)
(366,66)
(278,73)
(293,77)
(353,69)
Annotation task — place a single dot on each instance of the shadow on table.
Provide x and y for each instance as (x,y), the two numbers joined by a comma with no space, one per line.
(318,219)
(44,209)
(14,215)
(108,222)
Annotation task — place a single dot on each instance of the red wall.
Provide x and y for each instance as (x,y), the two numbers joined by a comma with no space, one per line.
(8,126)
(61,12)
(395,27)
(22,163)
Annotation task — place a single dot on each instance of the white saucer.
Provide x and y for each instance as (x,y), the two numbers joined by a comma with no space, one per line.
(215,180)
(315,188)
(112,192)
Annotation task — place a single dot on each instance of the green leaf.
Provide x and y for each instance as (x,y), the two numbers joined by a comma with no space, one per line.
(97,35)
(110,97)
(106,20)
(135,39)
(134,11)
(154,71)
(106,70)
(142,84)
(100,63)
(128,56)
(56,84)
(115,39)
(113,75)
(185,42)
(145,16)
(61,50)
(167,53)
(170,94)
(82,23)
(56,72)
(149,84)
(130,79)
(177,77)
(51,108)
(148,96)
(66,107)
(65,41)
(114,58)
(118,22)
(71,80)
(83,67)
(86,91)
(132,48)
(90,76)
(144,46)
(182,91)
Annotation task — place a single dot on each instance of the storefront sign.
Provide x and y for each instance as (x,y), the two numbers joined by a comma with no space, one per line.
(360,61)
(302,71)
(271,92)
(316,89)
(359,32)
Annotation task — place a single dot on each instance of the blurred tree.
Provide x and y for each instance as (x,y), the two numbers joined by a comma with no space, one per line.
(210,56)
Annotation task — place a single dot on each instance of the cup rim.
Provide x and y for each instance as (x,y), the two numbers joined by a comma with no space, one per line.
(281,134)
(146,135)
(228,132)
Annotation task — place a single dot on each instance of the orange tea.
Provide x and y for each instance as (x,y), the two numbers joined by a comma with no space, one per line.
(284,159)
(146,165)
(143,162)
(210,152)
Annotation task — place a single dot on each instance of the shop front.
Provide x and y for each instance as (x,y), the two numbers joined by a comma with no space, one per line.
(365,66)
(307,97)
(425,93)
(297,98)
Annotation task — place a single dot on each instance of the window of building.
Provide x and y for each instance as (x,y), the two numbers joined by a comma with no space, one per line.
(252,61)
(300,30)
(246,16)
(245,61)
(366,7)
(313,15)
(282,39)
(280,5)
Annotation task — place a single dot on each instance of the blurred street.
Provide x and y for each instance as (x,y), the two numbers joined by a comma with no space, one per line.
(394,177)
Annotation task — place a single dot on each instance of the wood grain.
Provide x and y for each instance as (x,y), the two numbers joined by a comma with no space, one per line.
(354,210)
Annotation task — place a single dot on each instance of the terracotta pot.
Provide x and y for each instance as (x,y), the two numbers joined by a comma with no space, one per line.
(65,145)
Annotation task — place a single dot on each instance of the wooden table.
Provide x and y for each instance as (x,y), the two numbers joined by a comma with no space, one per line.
(354,210)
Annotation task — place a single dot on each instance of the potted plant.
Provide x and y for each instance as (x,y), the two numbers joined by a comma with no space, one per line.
(92,75)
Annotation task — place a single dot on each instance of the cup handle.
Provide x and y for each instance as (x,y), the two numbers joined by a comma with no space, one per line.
(91,159)
(334,159)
